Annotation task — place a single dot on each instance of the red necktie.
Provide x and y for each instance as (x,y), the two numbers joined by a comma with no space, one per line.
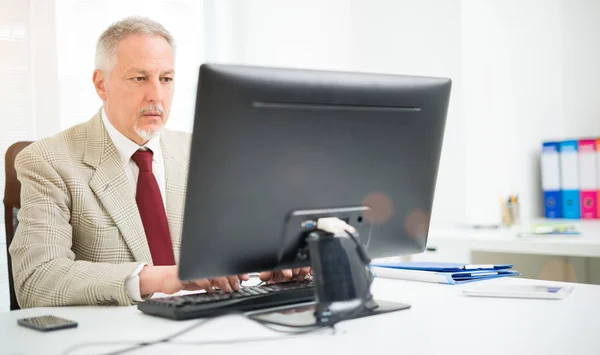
(152,210)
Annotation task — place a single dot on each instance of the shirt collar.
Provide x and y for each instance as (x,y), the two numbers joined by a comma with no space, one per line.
(125,146)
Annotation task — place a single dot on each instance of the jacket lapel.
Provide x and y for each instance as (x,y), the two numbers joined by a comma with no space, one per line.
(175,154)
(111,186)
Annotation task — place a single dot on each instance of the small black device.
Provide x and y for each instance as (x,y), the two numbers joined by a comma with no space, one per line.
(275,150)
(46,323)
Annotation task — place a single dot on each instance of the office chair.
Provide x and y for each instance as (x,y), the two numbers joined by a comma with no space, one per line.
(12,203)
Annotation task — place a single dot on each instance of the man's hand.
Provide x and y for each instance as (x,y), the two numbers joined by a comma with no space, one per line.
(285,275)
(165,279)
(227,284)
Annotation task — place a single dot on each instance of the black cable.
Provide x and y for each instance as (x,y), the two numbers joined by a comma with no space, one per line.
(305,328)
(206,343)
(169,339)
(236,341)
(102,343)
(139,345)
(360,249)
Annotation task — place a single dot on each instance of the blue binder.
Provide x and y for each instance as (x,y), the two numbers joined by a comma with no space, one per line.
(569,179)
(445,267)
(550,169)
(445,273)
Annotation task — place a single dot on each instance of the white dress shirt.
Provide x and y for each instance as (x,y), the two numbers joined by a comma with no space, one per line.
(126,148)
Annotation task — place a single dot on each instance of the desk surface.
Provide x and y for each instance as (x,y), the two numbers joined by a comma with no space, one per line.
(440,321)
(587,244)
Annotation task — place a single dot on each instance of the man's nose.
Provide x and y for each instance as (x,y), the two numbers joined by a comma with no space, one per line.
(154,91)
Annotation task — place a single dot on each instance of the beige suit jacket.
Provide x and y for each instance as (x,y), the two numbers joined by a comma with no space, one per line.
(80,234)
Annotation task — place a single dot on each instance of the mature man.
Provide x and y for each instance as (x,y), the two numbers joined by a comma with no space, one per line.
(102,202)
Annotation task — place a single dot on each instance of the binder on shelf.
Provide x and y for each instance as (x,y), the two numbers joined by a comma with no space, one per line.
(444,273)
(550,171)
(569,179)
(598,176)
(588,189)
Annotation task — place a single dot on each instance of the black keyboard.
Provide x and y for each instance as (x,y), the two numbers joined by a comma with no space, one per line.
(250,298)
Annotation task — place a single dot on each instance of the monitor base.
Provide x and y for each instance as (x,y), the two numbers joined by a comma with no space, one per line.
(340,266)
(303,315)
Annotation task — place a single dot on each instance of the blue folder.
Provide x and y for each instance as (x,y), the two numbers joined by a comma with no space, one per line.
(447,273)
(446,267)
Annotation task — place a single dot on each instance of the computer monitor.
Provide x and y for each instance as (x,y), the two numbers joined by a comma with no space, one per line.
(274,146)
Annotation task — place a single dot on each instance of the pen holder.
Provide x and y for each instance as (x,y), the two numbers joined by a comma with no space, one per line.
(510,211)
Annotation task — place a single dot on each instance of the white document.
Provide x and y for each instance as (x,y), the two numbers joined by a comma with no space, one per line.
(537,290)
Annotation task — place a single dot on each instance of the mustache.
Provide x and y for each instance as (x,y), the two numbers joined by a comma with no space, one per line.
(153,109)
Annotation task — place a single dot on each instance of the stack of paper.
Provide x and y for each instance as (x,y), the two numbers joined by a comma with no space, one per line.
(551,229)
(445,273)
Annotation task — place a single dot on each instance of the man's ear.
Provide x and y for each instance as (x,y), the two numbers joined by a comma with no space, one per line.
(99,79)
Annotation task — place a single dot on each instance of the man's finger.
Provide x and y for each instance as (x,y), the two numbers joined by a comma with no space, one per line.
(243,277)
(295,272)
(234,282)
(277,277)
(287,273)
(209,288)
(222,283)
(282,276)
(201,284)
(265,276)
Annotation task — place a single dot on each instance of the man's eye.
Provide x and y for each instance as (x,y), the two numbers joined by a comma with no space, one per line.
(138,78)
(167,80)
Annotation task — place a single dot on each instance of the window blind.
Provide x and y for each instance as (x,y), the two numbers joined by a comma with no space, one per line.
(16,102)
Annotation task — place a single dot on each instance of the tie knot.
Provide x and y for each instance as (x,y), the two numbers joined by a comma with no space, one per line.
(143,159)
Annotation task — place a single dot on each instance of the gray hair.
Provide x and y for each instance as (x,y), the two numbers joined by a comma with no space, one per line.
(106,48)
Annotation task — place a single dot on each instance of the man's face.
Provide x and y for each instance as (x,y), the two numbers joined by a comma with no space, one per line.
(138,91)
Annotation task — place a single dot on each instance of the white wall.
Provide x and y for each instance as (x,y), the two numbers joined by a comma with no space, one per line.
(419,38)
(523,72)
(581,66)
(513,98)
(389,36)
(530,71)
(310,34)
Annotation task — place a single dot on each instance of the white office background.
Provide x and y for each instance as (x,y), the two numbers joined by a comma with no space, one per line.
(522,71)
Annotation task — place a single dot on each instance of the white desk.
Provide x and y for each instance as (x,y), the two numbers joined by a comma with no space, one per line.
(441,321)
(574,258)
(506,240)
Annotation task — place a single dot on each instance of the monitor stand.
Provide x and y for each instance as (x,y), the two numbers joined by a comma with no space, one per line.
(340,274)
